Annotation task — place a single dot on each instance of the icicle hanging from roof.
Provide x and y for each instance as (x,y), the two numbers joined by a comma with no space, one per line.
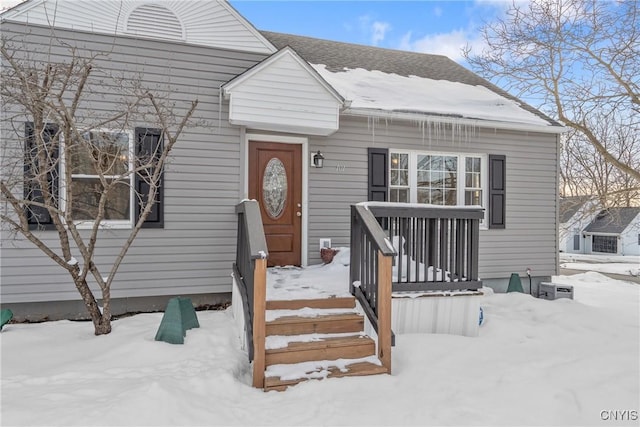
(434,130)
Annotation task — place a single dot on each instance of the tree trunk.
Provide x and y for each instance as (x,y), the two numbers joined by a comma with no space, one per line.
(101,323)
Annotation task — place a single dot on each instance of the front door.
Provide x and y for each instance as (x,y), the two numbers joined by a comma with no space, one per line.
(275,181)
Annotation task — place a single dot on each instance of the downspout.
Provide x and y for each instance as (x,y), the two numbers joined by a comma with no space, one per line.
(557,204)
(220,95)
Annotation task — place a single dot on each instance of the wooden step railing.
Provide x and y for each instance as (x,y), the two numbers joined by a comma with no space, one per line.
(370,276)
(250,271)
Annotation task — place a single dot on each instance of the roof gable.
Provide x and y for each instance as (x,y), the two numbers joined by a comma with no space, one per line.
(283,93)
(613,220)
(569,206)
(283,55)
(200,22)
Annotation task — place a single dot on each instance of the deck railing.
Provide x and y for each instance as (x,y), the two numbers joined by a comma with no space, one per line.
(398,247)
(250,271)
(437,248)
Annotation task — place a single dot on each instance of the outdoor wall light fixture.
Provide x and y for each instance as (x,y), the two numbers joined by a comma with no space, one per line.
(317,159)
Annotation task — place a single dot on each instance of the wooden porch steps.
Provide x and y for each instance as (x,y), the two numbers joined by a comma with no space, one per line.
(324,349)
(321,324)
(296,304)
(337,338)
(352,370)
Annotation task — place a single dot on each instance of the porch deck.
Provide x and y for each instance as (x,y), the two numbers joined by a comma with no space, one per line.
(312,282)
(307,320)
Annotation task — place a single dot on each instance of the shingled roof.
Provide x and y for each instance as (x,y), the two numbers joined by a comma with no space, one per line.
(338,56)
(612,220)
(570,205)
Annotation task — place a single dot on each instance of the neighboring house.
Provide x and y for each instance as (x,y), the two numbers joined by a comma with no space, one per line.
(391,126)
(614,231)
(575,214)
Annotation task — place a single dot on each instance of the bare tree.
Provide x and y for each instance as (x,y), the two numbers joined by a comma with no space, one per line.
(584,171)
(580,59)
(66,168)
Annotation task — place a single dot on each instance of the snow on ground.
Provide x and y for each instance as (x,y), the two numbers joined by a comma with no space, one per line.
(628,265)
(535,362)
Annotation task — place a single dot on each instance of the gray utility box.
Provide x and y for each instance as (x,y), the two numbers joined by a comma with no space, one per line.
(553,291)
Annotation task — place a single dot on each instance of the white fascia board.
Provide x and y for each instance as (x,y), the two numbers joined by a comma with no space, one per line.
(491,124)
(227,88)
(280,127)
(267,44)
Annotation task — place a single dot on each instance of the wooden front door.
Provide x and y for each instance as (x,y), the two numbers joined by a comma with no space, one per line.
(275,181)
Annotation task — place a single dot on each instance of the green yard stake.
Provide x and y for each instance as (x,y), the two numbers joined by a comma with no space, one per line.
(179,316)
(189,319)
(515,285)
(5,316)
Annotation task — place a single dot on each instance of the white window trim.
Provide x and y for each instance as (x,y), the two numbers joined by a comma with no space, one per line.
(105,223)
(413,185)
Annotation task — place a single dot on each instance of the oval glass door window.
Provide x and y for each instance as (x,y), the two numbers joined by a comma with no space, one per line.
(274,188)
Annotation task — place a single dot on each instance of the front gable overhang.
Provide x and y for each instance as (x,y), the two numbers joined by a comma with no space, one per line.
(284,93)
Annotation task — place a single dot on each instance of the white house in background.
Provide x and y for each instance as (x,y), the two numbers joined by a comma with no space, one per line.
(575,214)
(614,231)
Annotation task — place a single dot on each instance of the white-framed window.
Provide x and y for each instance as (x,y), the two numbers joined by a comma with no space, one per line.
(104,156)
(436,178)
(605,244)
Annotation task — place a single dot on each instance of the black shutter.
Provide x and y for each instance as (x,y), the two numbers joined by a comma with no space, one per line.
(37,216)
(149,144)
(378,181)
(497,191)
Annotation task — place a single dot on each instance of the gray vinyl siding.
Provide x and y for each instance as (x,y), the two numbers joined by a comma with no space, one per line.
(206,23)
(194,252)
(530,237)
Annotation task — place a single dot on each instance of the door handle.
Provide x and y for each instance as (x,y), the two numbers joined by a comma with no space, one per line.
(299,213)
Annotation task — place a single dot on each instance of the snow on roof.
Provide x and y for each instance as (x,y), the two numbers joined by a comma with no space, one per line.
(395,83)
(377,90)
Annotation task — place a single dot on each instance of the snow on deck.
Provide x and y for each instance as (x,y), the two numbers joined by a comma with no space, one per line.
(315,281)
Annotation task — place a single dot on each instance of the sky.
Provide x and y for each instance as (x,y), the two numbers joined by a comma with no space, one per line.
(438,27)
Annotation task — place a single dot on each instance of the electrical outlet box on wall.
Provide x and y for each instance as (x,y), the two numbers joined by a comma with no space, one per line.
(325,243)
